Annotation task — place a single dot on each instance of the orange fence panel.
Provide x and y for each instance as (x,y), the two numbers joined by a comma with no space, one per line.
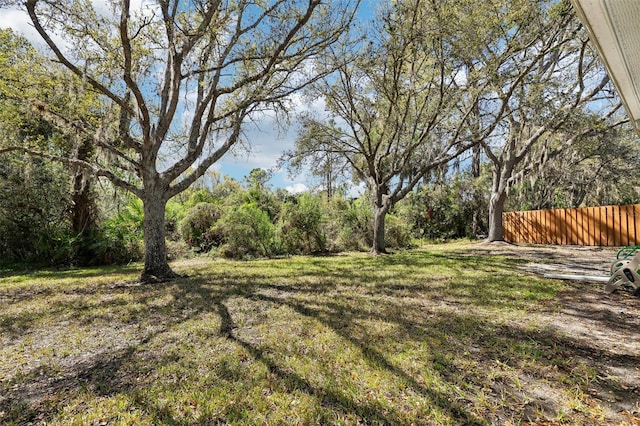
(592,226)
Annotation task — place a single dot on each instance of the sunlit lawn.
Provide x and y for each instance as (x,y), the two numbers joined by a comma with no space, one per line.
(427,336)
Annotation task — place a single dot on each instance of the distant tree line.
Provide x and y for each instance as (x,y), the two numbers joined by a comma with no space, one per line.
(249,219)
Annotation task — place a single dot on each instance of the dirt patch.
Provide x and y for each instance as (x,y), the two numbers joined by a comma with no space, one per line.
(561,259)
(603,329)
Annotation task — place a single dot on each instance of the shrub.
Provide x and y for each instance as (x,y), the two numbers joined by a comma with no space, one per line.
(357,225)
(120,238)
(34,212)
(197,228)
(175,212)
(443,211)
(347,224)
(247,232)
(299,225)
(397,232)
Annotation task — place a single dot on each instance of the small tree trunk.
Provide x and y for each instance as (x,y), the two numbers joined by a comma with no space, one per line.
(82,218)
(379,214)
(82,212)
(476,222)
(156,267)
(83,208)
(496,208)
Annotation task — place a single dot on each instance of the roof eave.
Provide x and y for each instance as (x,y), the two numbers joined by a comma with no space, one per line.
(595,18)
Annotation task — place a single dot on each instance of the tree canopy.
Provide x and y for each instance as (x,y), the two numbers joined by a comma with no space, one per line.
(398,107)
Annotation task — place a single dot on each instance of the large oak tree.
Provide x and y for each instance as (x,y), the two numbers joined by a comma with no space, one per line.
(399,106)
(179,80)
(547,84)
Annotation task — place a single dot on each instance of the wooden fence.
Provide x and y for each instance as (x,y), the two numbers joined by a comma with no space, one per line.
(612,226)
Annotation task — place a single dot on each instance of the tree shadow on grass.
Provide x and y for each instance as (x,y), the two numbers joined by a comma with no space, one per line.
(39,392)
(113,372)
(552,356)
(338,323)
(293,381)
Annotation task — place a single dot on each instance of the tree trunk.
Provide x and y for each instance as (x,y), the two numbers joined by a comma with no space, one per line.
(496,207)
(83,208)
(83,220)
(156,267)
(476,222)
(379,214)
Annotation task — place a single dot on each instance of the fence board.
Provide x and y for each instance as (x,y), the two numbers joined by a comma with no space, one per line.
(593,226)
(594,232)
(579,227)
(636,229)
(605,226)
(615,225)
(508,227)
(575,226)
(624,225)
(552,227)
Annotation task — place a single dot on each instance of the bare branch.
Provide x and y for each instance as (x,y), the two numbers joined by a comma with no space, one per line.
(93,169)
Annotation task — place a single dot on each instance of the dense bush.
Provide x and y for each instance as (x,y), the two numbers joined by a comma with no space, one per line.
(357,225)
(442,211)
(397,232)
(175,212)
(120,238)
(245,223)
(247,232)
(348,224)
(197,228)
(300,225)
(34,213)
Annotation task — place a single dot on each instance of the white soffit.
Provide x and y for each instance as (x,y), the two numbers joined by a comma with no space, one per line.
(614,28)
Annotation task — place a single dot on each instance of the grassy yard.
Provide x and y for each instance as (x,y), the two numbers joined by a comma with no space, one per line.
(437,335)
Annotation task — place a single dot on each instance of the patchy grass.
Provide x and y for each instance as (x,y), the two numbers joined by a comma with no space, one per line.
(434,336)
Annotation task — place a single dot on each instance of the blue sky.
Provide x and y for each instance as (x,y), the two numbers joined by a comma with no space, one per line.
(267,140)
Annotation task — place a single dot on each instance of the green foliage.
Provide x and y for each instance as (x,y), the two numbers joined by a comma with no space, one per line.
(397,232)
(69,231)
(120,239)
(34,223)
(247,232)
(300,225)
(349,224)
(226,189)
(197,228)
(201,195)
(443,211)
(259,193)
(175,213)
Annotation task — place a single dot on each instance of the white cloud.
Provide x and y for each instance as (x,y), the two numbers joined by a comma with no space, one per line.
(297,188)
(357,191)
(268,139)
(15,19)
(19,21)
